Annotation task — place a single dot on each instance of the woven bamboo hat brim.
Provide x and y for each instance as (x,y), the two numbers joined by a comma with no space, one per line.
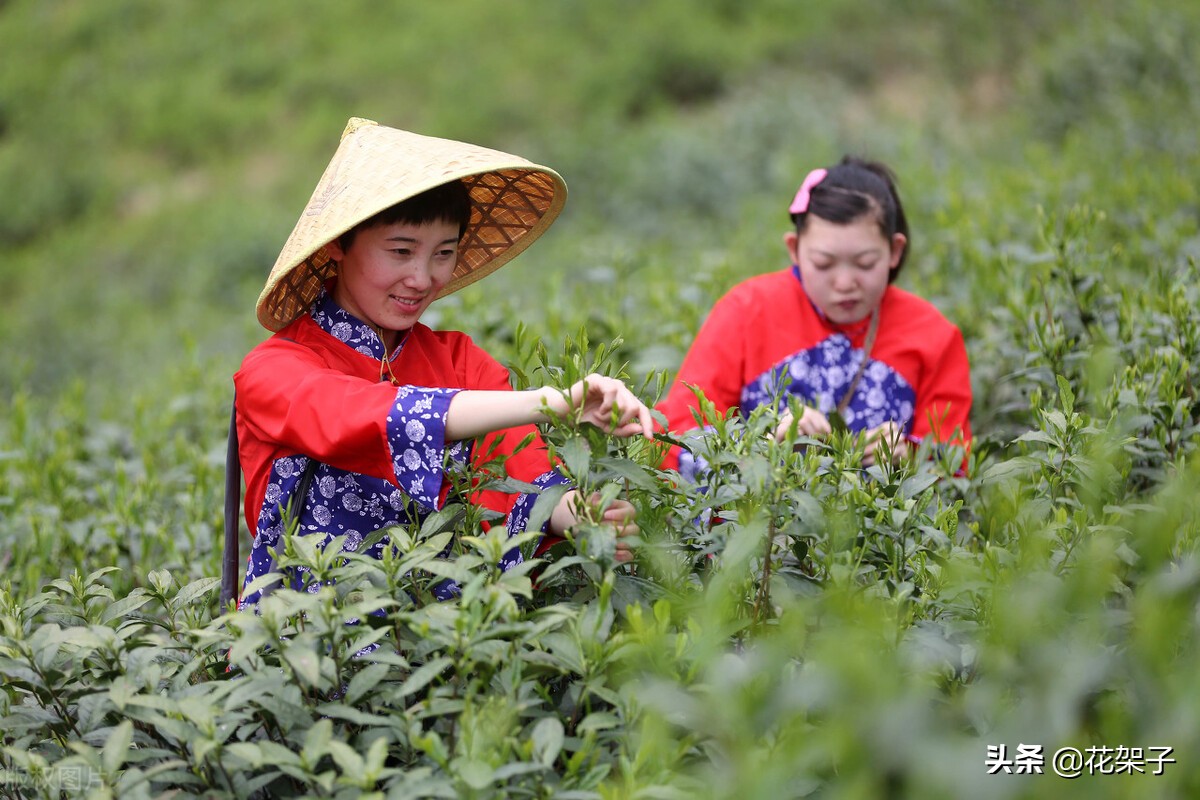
(513,202)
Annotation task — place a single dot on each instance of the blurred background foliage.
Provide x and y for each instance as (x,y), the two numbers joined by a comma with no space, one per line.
(155,155)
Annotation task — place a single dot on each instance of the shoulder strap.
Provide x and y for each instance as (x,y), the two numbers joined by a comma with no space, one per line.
(302,487)
(872,329)
(233,499)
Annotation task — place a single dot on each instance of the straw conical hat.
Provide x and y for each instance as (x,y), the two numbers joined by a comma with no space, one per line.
(513,201)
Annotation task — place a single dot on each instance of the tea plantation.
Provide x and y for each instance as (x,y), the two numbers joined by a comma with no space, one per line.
(802,627)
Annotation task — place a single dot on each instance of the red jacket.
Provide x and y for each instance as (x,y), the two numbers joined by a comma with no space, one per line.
(765,336)
(304,392)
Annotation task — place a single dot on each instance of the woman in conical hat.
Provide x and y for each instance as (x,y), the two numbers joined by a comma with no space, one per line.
(353,403)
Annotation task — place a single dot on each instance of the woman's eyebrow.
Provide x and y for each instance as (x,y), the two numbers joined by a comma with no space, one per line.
(413,240)
(870,251)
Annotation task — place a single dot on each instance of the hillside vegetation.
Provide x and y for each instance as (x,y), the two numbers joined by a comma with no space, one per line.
(849,633)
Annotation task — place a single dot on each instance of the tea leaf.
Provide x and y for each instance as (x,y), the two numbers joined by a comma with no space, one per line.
(547,736)
(117,747)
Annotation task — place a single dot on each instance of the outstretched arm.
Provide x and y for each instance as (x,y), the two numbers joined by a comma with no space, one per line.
(605,402)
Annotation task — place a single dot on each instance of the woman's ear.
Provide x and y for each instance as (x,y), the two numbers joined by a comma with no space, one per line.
(791,240)
(899,241)
(334,250)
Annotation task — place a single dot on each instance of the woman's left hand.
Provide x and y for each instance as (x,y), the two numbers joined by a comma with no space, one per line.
(889,433)
(620,514)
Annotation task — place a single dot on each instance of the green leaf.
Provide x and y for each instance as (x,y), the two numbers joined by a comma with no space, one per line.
(316,742)
(630,471)
(510,485)
(424,676)
(135,600)
(518,768)
(474,773)
(277,754)
(1068,396)
(354,715)
(201,746)
(608,493)
(46,642)
(116,749)
(544,506)
(120,691)
(915,484)
(376,759)
(744,543)
(265,583)
(456,570)
(350,762)
(800,549)
(365,680)
(15,671)
(1036,436)
(559,565)
(1019,467)
(598,721)
(597,542)
(566,650)
(131,778)
(249,752)
(576,454)
(547,740)
(195,590)
(96,575)
(304,661)
(161,580)
(436,523)
(1055,419)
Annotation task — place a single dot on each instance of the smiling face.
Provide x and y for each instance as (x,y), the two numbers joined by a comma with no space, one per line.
(389,274)
(845,267)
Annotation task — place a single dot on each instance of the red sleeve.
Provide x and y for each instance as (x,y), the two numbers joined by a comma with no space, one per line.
(287,396)
(715,364)
(943,405)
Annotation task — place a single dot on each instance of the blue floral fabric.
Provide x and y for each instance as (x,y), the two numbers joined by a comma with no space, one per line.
(820,377)
(518,518)
(693,466)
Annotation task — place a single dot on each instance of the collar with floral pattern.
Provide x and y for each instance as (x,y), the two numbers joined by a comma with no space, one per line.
(349,329)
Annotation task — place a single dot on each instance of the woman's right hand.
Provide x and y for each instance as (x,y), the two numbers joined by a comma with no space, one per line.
(811,423)
(606,403)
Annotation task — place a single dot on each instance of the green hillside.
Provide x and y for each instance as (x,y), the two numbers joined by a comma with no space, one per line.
(849,634)
(157,153)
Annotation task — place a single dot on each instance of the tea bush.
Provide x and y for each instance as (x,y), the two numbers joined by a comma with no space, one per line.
(800,626)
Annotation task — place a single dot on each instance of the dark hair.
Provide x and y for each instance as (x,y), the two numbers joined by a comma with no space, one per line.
(855,187)
(449,202)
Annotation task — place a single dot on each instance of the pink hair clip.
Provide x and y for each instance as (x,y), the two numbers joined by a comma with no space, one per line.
(800,204)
